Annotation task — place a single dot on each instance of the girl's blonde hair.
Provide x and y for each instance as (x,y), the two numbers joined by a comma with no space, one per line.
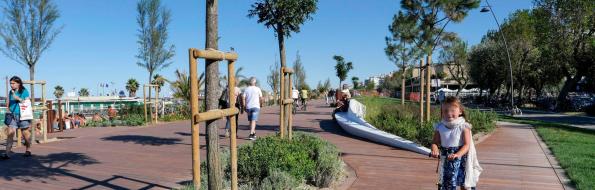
(454,101)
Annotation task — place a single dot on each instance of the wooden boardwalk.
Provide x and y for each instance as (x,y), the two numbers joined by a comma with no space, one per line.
(160,158)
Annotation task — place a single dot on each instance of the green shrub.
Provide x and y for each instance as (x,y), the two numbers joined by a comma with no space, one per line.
(274,163)
(278,179)
(175,117)
(305,158)
(389,115)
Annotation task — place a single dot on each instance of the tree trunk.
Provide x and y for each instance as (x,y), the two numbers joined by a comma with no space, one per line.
(403,91)
(149,98)
(428,87)
(32,78)
(283,119)
(212,88)
(421,91)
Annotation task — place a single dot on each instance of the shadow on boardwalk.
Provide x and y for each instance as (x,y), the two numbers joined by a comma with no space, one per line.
(44,169)
(144,140)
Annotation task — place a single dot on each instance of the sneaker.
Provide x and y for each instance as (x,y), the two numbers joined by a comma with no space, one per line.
(252,136)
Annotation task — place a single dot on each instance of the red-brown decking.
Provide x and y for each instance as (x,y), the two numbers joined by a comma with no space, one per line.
(159,157)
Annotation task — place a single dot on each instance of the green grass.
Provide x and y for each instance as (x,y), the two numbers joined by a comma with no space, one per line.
(573,147)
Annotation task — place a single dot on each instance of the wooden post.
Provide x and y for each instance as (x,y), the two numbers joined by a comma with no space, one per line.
(145,103)
(289,109)
(32,127)
(194,126)
(428,86)
(232,120)
(281,105)
(60,116)
(44,115)
(156,103)
(421,91)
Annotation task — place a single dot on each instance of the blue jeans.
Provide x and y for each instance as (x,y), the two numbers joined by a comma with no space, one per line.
(16,123)
(253,114)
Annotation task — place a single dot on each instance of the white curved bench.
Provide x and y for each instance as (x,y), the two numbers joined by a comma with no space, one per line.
(354,124)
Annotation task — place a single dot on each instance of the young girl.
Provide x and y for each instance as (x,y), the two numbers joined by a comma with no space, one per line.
(458,162)
(18,94)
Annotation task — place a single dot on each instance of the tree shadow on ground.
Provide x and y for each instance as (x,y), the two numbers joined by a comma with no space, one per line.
(46,168)
(144,140)
(42,168)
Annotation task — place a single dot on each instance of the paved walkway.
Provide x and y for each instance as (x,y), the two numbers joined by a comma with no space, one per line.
(585,122)
(159,158)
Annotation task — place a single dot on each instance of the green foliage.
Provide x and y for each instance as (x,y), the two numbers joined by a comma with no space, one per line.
(58,91)
(284,16)
(355,81)
(153,20)
(342,67)
(83,92)
(159,81)
(28,29)
(299,72)
(403,120)
(181,86)
(175,117)
(132,86)
(278,179)
(125,120)
(305,158)
(420,21)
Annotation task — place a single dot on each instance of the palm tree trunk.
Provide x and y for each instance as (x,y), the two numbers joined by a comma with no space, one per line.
(212,87)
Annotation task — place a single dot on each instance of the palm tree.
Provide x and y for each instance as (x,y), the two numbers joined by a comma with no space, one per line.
(58,91)
(159,81)
(132,86)
(239,77)
(181,86)
(83,92)
(342,68)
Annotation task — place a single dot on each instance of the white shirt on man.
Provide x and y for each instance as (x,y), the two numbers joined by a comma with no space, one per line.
(253,95)
(295,94)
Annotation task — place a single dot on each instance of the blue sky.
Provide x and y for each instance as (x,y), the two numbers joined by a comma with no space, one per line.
(98,40)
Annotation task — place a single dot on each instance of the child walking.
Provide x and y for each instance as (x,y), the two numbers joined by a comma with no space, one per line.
(453,145)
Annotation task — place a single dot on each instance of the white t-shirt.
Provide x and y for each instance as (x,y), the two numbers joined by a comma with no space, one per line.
(450,137)
(295,94)
(253,95)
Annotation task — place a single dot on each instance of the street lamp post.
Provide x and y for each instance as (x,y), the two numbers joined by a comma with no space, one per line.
(489,9)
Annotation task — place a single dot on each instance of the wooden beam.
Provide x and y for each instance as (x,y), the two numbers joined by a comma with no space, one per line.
(215,114)
(287,70)
(288,101)
(214,55)
(34,82)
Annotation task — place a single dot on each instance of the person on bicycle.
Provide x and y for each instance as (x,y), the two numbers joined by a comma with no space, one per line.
(295,95)
(304,97)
